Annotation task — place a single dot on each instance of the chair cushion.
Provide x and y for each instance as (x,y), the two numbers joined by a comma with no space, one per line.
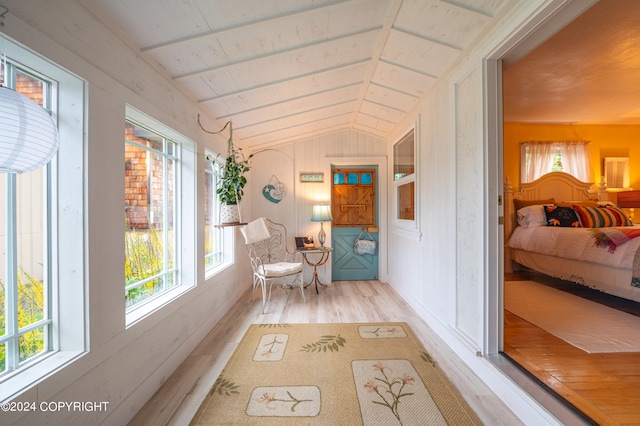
(281,269)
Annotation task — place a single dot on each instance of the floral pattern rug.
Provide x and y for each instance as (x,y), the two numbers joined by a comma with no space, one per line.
(332,374)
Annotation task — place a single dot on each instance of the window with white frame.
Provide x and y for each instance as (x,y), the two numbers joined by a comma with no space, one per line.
(404,177)
(160,214)
(25,283)
(42,215)
(537,158)
(151,214)
(213,235)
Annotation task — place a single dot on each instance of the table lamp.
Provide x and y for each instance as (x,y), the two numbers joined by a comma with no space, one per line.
(321,214)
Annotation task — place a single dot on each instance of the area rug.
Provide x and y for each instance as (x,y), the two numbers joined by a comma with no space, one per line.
(333,374)
(585,324)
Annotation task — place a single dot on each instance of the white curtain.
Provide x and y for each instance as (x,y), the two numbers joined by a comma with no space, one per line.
(576,160)
(538,158)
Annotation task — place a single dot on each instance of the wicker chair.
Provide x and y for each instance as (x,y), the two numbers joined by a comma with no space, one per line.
(271,261)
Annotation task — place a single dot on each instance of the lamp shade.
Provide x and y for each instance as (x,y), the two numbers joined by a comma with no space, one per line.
(28,134)
(321,213)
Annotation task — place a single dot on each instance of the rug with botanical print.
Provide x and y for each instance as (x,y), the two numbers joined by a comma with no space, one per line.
(333,374)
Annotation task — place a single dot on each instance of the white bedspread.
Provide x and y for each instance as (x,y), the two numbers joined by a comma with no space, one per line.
(572,243)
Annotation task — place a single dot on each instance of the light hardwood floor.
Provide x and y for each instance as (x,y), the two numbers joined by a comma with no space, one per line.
(343,301)
(603,386)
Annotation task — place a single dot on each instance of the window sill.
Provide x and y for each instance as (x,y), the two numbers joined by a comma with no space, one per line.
(216,270)
(146,309)
(21,380)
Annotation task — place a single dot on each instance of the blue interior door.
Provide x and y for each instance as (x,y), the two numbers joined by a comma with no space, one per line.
(353,207)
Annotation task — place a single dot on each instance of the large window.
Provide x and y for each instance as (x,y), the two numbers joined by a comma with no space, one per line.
(151,210)
(160,215)
(213,235)
(404,177)
(25,255)
(42,235)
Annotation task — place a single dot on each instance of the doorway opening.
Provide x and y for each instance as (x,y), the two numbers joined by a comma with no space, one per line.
(499,338)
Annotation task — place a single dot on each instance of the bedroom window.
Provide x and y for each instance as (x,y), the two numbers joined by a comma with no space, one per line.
(404,177)
(537,158)
(155,206)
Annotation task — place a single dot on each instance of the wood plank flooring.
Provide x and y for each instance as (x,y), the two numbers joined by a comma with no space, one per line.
(605,387)
(343,301)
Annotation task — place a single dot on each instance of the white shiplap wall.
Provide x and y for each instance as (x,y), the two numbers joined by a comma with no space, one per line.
(123,365)
(316,154)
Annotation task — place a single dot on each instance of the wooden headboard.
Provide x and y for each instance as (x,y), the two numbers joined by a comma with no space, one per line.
(558,185)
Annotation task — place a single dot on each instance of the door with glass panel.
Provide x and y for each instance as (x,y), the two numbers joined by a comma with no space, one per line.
(354,208)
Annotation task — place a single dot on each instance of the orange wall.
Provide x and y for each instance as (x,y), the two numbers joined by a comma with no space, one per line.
(606,141)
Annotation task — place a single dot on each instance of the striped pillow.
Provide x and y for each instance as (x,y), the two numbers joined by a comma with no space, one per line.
(601,217)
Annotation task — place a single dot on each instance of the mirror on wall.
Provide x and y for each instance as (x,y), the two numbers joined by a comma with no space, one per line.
(616,172)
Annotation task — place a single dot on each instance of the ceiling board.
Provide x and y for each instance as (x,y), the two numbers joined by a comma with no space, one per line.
(293,107)
(390,97)
(311,116)
(275,66)
(441,22)
(418,54)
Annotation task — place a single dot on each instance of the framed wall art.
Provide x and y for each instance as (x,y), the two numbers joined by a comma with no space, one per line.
(311,177)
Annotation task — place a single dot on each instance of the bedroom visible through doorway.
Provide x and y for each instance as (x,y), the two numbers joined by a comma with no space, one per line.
(599,386)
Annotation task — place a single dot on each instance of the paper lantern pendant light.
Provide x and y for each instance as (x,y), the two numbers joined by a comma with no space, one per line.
(28,134)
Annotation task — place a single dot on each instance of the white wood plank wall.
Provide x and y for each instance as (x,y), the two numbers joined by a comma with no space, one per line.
(287,161)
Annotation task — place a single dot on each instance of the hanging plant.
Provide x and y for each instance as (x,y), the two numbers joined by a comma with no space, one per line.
(233,179)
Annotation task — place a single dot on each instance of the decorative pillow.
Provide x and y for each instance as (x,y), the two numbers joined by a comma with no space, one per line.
(561,216)
(618,212)
(531,216)
(518,204)
(601,217)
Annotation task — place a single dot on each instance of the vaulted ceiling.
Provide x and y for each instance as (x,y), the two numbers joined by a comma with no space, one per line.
(286,69)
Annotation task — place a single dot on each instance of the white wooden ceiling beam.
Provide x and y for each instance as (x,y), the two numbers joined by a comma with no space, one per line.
(275,55)
(282,101)
(387,25)
(289,80)
(404,67)
(341,118)
(428,39)
(269,21)
(394,89)
(470,8)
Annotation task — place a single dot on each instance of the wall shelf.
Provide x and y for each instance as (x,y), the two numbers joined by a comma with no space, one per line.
(226,225)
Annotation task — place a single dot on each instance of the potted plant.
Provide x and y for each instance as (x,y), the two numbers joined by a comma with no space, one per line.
(231,188)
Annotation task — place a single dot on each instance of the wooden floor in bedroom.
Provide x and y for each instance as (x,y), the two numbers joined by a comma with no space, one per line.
(604,387)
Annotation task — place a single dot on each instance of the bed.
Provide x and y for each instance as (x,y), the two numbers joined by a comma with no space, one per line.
(570,252)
